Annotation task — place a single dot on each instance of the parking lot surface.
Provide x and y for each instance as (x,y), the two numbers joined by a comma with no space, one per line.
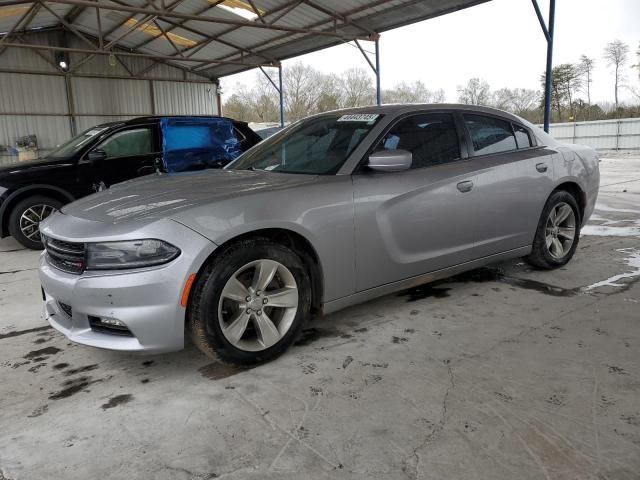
(504,372)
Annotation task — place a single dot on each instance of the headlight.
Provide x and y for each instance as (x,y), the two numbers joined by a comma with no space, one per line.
(129,254)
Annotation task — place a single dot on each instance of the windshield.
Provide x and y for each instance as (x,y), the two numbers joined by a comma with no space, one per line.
(66,150)
(317,146)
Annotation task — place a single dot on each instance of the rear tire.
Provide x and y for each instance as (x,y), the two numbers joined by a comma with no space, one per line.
(240,316)
(558,232)
(27,215)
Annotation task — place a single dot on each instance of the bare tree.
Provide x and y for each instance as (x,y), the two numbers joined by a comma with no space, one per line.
(264,101)
(585,66)
(616,55)
(330,93)
(238,106)
(515,100)
(638,56)
(415,92)
(476,92)
(357,88)
(302,90)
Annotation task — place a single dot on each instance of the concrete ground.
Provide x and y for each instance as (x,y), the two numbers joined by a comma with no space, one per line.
(505,372)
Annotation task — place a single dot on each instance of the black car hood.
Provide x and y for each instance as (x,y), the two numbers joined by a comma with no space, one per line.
(38,166)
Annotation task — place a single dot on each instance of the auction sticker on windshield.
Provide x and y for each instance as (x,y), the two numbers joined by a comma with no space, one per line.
(359,117)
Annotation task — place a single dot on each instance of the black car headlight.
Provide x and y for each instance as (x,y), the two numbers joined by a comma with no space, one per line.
(129,254)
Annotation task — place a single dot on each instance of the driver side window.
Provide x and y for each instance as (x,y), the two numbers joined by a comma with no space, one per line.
(128,143)
(431,138)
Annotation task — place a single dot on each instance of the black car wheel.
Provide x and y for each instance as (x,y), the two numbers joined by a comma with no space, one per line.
(26,216)
(250,303)
(558,232)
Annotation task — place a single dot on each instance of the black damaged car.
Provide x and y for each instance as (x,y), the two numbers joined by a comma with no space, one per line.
(112,153)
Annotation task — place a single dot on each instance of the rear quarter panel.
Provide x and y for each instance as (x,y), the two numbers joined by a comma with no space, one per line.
(579,164)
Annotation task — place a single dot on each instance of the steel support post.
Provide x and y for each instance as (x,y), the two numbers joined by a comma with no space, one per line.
(378,91)
(548,30)
(281,92)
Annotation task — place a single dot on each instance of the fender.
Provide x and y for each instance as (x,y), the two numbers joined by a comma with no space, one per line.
(37,186)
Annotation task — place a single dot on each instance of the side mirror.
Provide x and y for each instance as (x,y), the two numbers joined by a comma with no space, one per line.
(390,160)
(97,155)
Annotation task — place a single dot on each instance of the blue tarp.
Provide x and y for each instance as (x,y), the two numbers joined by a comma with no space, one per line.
(195,143)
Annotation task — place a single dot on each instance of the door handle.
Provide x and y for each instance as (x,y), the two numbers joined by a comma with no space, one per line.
(541,167)
(465,186)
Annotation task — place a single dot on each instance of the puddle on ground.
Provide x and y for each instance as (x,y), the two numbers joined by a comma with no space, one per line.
(540,287)
(117,400)
(86,368)
(23,332)
(482,275)
(43,351)
(425,291)
(310,335)
(218,371)
(72,387)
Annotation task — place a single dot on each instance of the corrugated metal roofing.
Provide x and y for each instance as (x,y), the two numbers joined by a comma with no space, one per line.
(253,41)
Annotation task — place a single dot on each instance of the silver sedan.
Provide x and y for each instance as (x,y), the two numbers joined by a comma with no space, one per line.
(336,209)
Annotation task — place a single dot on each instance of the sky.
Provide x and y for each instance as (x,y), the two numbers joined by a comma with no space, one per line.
(499,41)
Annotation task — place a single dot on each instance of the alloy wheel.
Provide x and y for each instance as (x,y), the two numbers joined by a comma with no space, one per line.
(560,232)
(31,218)
(257,305)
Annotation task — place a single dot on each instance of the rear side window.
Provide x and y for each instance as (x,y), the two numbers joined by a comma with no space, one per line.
(128,143)
(197,143)
(430,137)
(522,136)
(489,135)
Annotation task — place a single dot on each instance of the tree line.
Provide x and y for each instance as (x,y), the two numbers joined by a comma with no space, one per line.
(308,91)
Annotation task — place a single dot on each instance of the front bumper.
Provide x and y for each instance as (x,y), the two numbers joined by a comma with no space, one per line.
(147,301)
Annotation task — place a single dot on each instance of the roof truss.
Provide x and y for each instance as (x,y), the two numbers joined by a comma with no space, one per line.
(213,42)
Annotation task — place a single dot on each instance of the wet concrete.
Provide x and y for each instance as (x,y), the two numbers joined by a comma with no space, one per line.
(503,372)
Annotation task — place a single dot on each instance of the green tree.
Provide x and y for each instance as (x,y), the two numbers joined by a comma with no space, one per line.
(565,83)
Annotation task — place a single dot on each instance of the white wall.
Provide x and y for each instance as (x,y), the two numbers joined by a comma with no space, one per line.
(623,134)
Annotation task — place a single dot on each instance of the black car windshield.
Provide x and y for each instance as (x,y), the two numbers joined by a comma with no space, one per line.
(317,146)
(68,149)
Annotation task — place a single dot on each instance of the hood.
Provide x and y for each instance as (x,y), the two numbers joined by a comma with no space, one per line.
(34,167)
(163,196)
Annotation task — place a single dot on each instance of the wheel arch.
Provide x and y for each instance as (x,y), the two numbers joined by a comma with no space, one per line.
(292,239)
(25,192)
(572,187)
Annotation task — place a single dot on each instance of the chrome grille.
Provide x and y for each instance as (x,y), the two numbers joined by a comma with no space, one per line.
(66,256)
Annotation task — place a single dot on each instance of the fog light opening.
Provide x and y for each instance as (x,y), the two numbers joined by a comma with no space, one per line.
(109,325)
(114,322)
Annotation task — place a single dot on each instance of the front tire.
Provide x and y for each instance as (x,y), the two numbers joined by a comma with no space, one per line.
(250,303)
(26,217)
(558,232)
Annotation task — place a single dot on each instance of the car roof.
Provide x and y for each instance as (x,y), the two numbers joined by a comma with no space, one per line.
(145,119)
(157,118)
(400,108)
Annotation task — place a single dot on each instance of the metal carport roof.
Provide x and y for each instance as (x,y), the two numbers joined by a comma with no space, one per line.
(218,37)
(214,38)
